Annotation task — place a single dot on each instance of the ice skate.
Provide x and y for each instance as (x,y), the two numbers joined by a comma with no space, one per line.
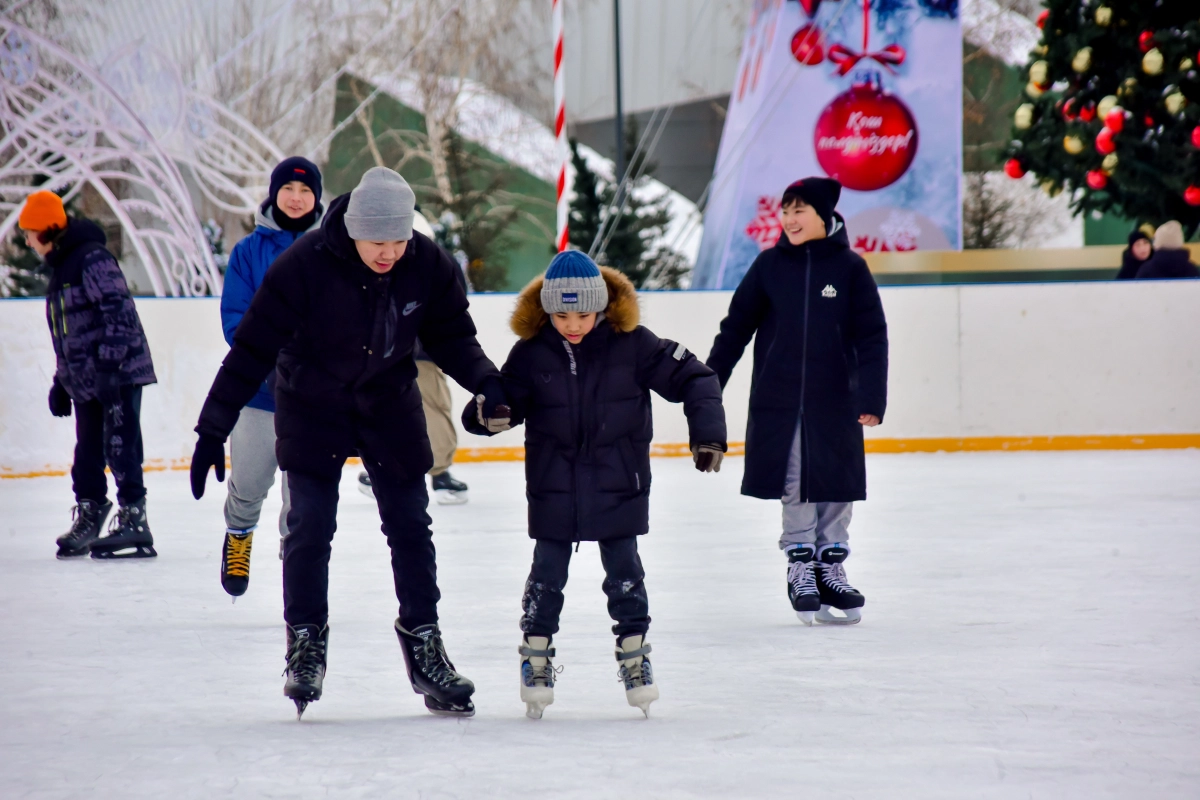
(431,673)
(448,491)
(636,673)
(836,592)
(235,561)
(128,535)
(87,520)
(802,583)
(537,674)
(364,485)
(307,651)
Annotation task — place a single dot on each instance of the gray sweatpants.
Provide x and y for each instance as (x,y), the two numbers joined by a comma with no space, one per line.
(809,523)
(252,468)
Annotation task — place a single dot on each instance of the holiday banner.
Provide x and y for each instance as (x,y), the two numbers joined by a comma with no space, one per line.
(865,91)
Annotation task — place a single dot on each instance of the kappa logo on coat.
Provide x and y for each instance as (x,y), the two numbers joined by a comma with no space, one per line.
(411,307)
(829,291)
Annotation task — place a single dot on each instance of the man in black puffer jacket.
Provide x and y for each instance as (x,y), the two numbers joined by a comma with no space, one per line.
(103,361)
(580,379)
(337,316)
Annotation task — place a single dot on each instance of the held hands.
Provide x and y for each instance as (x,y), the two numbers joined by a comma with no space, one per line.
(870,420)
(210,452)
(708,457)
(491,407)
(60,401)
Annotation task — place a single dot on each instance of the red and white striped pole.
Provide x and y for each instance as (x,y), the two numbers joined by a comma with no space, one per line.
(560,124)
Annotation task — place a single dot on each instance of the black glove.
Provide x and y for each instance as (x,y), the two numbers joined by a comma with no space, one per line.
(708,457)
(108,388)
(210,452)
(60,401)
(492,406)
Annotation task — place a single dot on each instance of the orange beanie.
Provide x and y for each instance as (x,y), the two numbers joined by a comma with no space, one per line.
(43,211)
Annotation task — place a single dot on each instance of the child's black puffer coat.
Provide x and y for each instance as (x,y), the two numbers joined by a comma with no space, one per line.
(586,410)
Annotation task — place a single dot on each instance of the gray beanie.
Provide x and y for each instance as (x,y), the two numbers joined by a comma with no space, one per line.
(573,283)
(381,207)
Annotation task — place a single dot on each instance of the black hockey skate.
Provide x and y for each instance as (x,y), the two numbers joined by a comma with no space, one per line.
(537,674)
(364,485)
(448,491)
(128,535)
(636,673)
(431,673)
(836,592)
(88,519)
(802,583)
(235,562)
(306,657)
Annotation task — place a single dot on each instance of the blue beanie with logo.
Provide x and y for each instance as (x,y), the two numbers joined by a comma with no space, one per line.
(573,283)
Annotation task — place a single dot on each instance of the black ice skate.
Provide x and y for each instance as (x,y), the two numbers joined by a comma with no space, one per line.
(537,674)
(802,583)
(431,674)
(306,657)
(364,485)
(87,521)
(836,591)
(448,491)
(235,562)
(128,535)
(636,673)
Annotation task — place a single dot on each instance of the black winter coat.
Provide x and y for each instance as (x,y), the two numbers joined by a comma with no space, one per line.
(1165,264)
(341,338)
(820,356)
(93,321)
(586,410)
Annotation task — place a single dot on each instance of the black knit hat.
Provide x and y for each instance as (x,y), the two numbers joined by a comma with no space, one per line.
(820,193)
(295,168)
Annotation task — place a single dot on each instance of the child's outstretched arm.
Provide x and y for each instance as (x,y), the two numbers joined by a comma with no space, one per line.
(669,369)
(868,334)
(746,312)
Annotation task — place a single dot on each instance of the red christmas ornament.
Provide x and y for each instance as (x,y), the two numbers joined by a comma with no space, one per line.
(1149,120)
(1097,179)
(1146,41)
(1115,121)
(808,45)
(1013,169)
(1068,110)
(1191,195)
(1196,136)
(1088,112)
(866,138)
(1041,19)
(1104,142)
(810,7)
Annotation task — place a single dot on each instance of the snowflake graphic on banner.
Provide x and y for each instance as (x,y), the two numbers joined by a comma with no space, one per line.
(765,228)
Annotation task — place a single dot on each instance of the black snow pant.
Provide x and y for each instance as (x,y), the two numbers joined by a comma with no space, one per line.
(624,583)
(311,522)
(109,436)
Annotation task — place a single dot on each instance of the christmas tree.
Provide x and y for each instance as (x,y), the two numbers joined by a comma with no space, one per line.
(1112,111)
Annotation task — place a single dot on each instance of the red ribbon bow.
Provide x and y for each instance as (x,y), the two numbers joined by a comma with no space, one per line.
(846,59)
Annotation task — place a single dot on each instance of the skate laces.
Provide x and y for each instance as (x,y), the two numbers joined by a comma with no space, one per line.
(801,577)
(237,555)
(305,658)
(834,576)
(546,673)
(79,524)
(437,665)
(126,515)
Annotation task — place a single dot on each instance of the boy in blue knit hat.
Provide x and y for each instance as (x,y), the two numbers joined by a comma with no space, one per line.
(581,384)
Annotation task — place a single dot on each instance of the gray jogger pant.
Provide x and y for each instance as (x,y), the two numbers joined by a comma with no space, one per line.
(252,468)
(809,523)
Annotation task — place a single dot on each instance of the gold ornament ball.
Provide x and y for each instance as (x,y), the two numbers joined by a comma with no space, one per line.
(1050,188)
(1023,119)
(1106,104)
(1073,145)
(1082,61)
(1186,64)
(1109,163)
(1038,72)
(1033,90)
(1152,62)
(1175,102)
(1104,16)
(1041,49)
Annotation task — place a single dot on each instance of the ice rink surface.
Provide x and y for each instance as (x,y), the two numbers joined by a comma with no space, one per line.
(1031,630)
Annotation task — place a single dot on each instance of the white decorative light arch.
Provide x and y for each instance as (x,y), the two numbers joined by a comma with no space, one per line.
(60,118)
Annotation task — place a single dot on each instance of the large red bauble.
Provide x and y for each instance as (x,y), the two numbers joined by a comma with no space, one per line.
(1104,142)
(1146,41)
(1097,179)
(1013,168)
(866,138)
(808,45)
(811,7)
(1042,17)
(1191,195)
(1115,121)
(1088,112)
(1196,136)
(1068,110)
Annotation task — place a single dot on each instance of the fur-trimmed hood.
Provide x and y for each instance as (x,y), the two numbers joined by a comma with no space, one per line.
(622,311)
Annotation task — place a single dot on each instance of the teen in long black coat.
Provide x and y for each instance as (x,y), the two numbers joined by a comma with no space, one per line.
(821,356)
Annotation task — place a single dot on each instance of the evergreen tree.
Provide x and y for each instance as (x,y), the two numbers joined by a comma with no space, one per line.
(1113,108)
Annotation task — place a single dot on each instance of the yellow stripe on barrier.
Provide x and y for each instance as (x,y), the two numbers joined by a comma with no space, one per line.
(975,444)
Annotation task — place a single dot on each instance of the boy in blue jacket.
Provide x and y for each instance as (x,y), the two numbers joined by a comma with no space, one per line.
(292,208)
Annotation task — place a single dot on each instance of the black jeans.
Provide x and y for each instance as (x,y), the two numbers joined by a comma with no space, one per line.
(111,436)
(311,522)
(624,583)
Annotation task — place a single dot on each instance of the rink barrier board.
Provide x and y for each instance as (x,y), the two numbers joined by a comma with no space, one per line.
(979,444)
